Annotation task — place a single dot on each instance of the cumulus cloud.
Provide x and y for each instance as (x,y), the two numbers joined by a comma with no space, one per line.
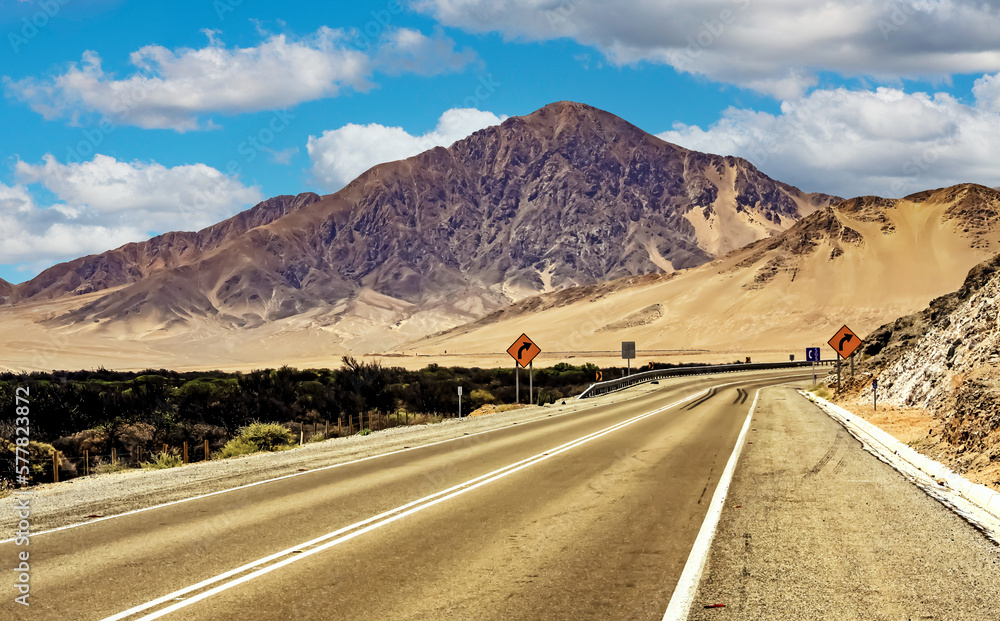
(104,203)
(885,142)
(340,155)
(773,46)
(174,89)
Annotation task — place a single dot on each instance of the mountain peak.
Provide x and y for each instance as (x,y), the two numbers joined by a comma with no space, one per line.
(567,195)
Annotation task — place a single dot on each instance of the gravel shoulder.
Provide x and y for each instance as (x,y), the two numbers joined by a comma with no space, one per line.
(56,505)
(814,527)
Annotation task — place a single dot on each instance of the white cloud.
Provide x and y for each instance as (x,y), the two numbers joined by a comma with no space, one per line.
(340,155)
(774,46)
(174,89)
(885,142)
(105,203)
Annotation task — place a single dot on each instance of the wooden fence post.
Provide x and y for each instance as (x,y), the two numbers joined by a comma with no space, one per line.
(164,448)
(114,456)
(86,463)
(185,452)
(55,467)
(208,455)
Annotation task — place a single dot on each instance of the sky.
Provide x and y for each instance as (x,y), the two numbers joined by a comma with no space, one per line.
(122,119)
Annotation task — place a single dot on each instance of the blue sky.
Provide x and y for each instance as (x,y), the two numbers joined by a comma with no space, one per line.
(122,119)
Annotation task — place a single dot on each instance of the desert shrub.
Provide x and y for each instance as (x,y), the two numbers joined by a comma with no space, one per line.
(237,447)
(87,440)
(545,397)
(39,461)
(364,432)
(257,437)
(317,437)
(163,460)
(820,391)
(136,434)
(108,467)
(480,397)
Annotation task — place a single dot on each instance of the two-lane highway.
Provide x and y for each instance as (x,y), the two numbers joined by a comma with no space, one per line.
(583,515)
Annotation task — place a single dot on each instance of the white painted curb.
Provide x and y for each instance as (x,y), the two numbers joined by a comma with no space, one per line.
(984,497)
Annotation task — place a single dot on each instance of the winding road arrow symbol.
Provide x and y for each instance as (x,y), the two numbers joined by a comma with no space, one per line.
(523,350)
(846,339)
(845,342)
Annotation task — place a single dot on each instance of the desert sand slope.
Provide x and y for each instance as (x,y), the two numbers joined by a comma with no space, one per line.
(864,262)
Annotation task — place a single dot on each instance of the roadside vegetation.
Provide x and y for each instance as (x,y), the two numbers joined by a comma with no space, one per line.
(85,422)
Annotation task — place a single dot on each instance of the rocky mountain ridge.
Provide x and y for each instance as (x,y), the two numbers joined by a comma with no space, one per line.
(568,195)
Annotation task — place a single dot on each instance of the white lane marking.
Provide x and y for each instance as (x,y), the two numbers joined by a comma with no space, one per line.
(373,523)
(297,474)
(367,525)
(320,469)
(683,597)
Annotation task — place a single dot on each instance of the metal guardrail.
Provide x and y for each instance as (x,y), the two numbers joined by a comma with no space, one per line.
(603,388)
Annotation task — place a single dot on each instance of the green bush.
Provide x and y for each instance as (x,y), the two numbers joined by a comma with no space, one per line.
(163,460)
(257,437)
(545,397)
(364,432)
(109,467)
(237,447)
(39,457)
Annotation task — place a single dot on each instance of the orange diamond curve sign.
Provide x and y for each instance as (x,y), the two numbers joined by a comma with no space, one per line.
(845,341)
(523,350)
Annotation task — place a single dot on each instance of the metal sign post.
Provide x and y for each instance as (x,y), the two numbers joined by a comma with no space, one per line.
(875,393)
(813,355)
(628,353)
(531,382)
(460,402)
(523,351)
(845,342)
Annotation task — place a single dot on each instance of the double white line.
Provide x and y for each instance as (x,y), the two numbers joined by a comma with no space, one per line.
(255,569)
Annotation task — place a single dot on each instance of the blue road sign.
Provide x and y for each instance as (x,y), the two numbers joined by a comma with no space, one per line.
(812,354)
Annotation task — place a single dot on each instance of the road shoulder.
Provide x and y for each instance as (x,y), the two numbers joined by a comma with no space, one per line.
(814,527)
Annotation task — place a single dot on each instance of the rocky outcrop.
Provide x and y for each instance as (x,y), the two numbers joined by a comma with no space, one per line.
(946,358)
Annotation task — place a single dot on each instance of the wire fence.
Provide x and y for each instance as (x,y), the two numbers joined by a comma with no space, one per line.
(86,462)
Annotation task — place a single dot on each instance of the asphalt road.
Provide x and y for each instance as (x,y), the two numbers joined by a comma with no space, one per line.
(584,516)
(598,530)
